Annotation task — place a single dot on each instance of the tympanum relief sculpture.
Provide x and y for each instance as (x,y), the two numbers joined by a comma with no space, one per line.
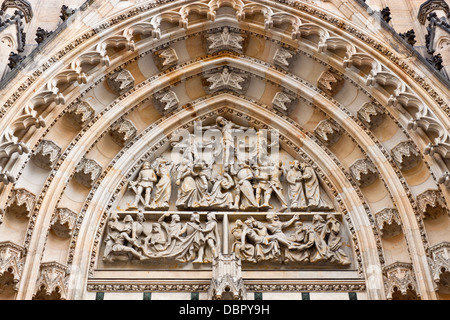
(223,188)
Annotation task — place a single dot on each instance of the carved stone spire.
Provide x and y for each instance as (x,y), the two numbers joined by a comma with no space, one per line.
(227,282)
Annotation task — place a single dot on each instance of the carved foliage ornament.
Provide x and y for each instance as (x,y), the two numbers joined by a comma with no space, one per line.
(227,79)
(224,40)
(52,283)
(21,203)
(440,266)
(400,283)
(11,265)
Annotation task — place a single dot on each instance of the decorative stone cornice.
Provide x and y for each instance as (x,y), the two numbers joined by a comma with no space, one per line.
(372,115)
(328,131)
(20,203)
(364,172)
(432,204)
(63,222)
(121,81)
(80,113)
(87,171)
(330,82)
(400,283)
(46,154)
(52,283)
(405,155)
(440,266)
(123,132)
(11,265)
(388,222)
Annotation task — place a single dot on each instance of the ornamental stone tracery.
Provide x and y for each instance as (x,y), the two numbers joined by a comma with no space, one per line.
(226,198)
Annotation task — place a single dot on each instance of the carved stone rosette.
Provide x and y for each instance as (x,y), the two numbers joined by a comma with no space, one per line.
(330,82)
(21,203)
(440,266)
(11,264)
(400,283)
(372,115)
(165,58)
(405,155)
(63,221)
(52,283)
(123,132)
(328,131)
(81,113)
(87,171)
(388,222)
(227,282)
(364,172)
(46,155)
(121,81)
(432,204)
